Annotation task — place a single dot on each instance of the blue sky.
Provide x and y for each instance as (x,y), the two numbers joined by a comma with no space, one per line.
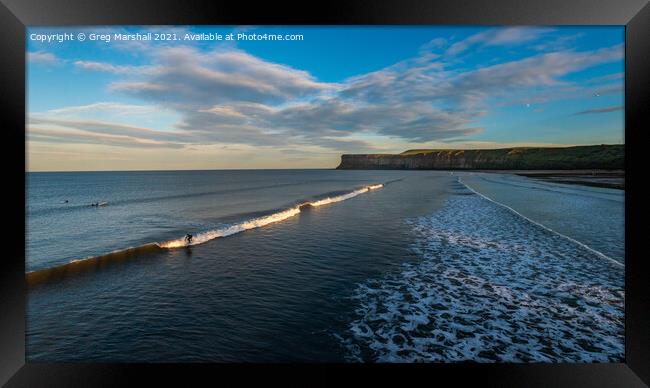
(187,104)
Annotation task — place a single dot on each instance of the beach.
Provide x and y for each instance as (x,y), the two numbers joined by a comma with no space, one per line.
(614,179)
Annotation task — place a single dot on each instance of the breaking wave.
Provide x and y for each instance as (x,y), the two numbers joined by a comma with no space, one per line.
(263,221)
(94,262)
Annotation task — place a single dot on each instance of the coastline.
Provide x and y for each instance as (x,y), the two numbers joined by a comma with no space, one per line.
(610,179)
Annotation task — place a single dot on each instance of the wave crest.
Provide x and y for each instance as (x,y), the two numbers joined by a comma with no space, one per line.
(93,263)
(282,215)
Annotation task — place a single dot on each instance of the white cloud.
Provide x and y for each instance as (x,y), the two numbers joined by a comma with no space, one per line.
(112,107)
(227,96)
(42,57)
(105,128)
(115,69)
(50,135)
(508,36)
(609,77)
(186,77)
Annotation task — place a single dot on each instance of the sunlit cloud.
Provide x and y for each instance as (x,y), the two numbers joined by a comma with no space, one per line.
(106,128)
(112,107)
(84,137)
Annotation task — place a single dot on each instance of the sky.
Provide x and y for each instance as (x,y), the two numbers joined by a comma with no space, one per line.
(255,102)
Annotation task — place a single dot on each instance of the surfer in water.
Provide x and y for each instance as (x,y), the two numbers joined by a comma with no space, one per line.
(188,238)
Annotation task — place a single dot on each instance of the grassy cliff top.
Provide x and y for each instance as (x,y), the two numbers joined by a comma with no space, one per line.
(573,151)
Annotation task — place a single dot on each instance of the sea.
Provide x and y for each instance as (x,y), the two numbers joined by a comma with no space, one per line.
(322,266)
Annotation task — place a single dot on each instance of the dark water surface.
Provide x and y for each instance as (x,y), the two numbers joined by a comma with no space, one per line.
(273,293)
(377,275)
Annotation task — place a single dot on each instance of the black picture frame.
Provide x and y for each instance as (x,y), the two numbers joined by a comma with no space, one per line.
(15,15)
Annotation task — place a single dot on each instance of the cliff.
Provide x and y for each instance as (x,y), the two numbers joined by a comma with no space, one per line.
(605,157)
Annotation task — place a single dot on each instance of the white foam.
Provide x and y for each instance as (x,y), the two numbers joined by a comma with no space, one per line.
(597,253)
(490,286)
(201,238)
(228,231)
(339,198)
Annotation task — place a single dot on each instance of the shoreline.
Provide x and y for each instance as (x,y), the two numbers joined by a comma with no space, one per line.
(610,179)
